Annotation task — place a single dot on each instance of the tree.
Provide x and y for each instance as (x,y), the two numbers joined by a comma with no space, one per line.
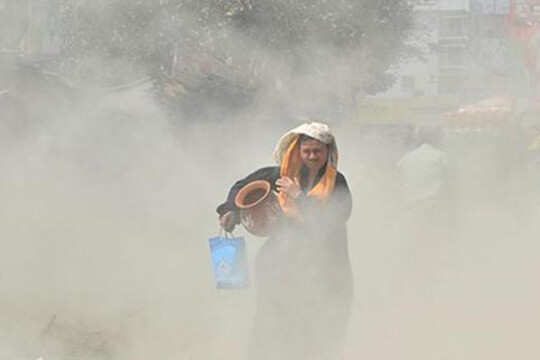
(248,41)
(375,28)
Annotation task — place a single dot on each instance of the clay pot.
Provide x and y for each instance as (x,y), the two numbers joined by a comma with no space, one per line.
(258,206)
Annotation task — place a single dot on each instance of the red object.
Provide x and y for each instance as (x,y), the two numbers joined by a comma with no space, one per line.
(258,206)
(524,27)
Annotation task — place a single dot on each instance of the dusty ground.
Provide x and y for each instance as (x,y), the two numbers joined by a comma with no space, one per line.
(104,255)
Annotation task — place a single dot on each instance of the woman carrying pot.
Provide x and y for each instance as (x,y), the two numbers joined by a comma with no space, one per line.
(302,272)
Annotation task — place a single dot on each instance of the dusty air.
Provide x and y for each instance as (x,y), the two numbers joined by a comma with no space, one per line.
(269,179)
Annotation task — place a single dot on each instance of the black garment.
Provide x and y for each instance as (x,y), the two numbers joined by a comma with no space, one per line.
(303,277)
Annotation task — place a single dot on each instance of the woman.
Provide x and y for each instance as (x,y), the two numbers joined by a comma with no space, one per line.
(302,272)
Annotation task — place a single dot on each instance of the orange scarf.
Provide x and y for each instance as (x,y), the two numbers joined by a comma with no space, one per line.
(291,166)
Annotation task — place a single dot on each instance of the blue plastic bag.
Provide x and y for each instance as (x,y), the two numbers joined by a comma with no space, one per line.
(229,260)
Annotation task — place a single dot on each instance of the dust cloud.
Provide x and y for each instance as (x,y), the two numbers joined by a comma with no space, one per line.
(107,205)
(105,219)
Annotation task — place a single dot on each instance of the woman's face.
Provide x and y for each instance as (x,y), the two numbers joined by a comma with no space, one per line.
(313,154)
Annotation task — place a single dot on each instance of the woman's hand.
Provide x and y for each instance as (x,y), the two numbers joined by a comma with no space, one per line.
(228,221)
(290,187)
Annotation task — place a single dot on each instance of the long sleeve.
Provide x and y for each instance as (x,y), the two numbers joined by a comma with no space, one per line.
(341,200)
(270,173)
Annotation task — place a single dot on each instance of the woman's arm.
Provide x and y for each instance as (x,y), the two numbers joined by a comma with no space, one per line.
(341,201)
(228,209)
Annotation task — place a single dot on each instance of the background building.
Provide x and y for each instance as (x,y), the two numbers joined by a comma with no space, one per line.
(463,50)
(29,26)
